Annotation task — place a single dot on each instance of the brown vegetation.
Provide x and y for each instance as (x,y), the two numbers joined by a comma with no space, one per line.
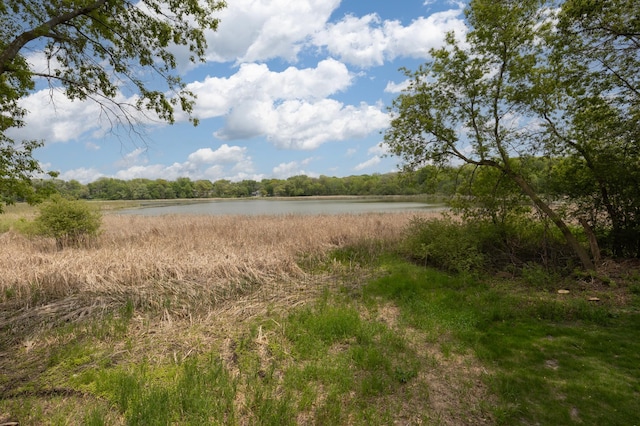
(187,263)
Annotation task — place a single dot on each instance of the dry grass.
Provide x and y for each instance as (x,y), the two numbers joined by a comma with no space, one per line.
(185,263)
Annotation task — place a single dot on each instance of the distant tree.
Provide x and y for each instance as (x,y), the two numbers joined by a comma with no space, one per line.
(203,188)
(109,189)
(161,189)
(222,188)
(183,188)
(92,49)
(139,189)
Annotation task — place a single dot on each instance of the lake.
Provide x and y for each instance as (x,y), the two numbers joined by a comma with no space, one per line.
(265,206)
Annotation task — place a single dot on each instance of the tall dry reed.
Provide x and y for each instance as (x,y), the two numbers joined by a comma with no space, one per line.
(179,259)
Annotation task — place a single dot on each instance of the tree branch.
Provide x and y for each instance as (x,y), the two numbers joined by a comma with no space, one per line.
(9,54)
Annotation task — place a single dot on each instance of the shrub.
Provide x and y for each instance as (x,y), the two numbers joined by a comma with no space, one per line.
(519,243)
(444,243)
(71,222)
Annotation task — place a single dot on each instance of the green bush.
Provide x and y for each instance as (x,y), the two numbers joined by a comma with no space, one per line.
(444,243)
(519,243)
(71,222)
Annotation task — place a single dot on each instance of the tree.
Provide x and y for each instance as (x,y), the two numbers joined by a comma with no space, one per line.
(592,106)
(16,167)
(471,103)
(94,49)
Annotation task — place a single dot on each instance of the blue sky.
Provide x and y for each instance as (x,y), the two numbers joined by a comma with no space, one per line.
(289,87)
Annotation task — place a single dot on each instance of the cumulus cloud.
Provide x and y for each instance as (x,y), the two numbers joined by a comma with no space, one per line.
(255,30)
(134,157)
(368,41)
(367,164)
(55,118)
(254,83)
(225,154)
(82,175)
(290,108)
(359,41)
(226,162)
(302,125)
(379,149)
(393,87)
(293,168)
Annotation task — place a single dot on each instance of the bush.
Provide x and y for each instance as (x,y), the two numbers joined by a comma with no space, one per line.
(520,243)
(444,243)
(71,222)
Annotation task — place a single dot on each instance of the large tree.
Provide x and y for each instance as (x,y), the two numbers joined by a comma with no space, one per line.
(472,102)
(591,105)
(93,50)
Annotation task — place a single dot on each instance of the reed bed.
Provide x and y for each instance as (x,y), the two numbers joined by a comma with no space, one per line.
(177,261)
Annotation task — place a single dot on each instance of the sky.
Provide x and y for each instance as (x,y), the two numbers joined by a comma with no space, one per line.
(289,88)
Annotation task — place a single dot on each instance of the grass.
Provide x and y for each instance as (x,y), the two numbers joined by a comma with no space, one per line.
(553,360)
(300,320)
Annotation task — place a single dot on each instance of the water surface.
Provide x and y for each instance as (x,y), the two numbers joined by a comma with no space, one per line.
(264,206)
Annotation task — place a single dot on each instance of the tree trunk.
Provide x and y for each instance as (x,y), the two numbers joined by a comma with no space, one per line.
(593,241)
(580,251)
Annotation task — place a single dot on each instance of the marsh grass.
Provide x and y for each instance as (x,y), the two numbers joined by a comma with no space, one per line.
(177,262)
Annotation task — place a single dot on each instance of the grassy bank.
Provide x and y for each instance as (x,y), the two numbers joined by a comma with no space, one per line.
(300,320)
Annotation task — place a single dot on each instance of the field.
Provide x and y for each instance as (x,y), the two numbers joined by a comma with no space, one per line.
(299,320)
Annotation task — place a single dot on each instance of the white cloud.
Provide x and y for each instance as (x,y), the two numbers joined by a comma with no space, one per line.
(226,162)
(224,155)
(369,163)
(55,118)
(82,175)
(393,87)
(379,149)
(257,30)
(293,168)
(92,146)
(255,84)
(289,108)
(358,41)
(368,41)
(306,126)
(132,158)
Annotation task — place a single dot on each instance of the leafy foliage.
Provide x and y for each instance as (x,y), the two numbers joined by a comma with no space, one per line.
(514,244)
(95,49)
(70,222)
(593,108)
(444,244)
(472,102)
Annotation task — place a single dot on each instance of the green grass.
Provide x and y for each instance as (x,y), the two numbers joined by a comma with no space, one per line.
(413,345)
(553,360)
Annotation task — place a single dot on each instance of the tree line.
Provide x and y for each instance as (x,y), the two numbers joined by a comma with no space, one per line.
(463,180)
(153,189)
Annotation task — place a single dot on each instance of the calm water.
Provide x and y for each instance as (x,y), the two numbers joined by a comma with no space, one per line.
(280,207)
